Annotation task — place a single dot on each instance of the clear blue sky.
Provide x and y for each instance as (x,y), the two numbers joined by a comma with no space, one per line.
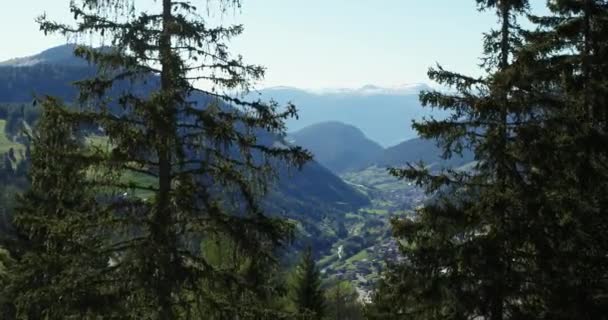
(318,43)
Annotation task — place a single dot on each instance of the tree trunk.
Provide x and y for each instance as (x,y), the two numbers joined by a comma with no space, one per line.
(162,218)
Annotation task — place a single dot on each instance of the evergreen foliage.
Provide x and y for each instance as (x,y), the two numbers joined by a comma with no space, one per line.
(57,263)
(6,307)
(343,302)
(460,249)
(308,295)
(563,67)
(503,240)
(181,165)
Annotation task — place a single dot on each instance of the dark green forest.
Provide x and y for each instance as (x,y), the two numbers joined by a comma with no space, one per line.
(131,191)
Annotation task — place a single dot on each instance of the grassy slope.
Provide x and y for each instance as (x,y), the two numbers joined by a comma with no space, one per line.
(5,143)
(128,177)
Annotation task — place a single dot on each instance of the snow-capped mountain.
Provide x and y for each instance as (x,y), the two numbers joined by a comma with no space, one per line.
(384,114)
(367,90)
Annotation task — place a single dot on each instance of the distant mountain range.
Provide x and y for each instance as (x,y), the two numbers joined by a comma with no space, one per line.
(344,148)
(367,90)
(383,114)
(347,129)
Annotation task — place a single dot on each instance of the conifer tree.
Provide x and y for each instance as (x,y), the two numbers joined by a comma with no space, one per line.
(343,302)
(461,252)
(564,64)
(55,265)
(532,210)
(181,164)
(6,306)
(308,295)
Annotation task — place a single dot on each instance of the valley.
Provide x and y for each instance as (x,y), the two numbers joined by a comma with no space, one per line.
(343,200)
(361,255)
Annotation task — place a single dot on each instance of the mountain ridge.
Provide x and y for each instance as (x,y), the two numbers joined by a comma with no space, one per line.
(368,89)
(338,146)
(428,151)
(60,55)
(383,116)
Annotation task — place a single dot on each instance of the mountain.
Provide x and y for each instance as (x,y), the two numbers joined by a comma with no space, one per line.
(308,196)
(370,90)
(339,147)
(416,150)
(384,114)
(53,72)
(58,56)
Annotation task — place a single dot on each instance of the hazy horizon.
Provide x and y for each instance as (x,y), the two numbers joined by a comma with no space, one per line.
(342,46)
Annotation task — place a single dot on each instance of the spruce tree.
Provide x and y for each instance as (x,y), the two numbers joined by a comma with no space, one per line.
(462,250)
(6,307)
(55,264)
(308,295)
(564,61)
(343,302)
(532,211)
(181,165)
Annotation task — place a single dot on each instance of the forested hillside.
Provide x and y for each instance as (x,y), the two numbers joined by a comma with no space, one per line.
(426,150)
